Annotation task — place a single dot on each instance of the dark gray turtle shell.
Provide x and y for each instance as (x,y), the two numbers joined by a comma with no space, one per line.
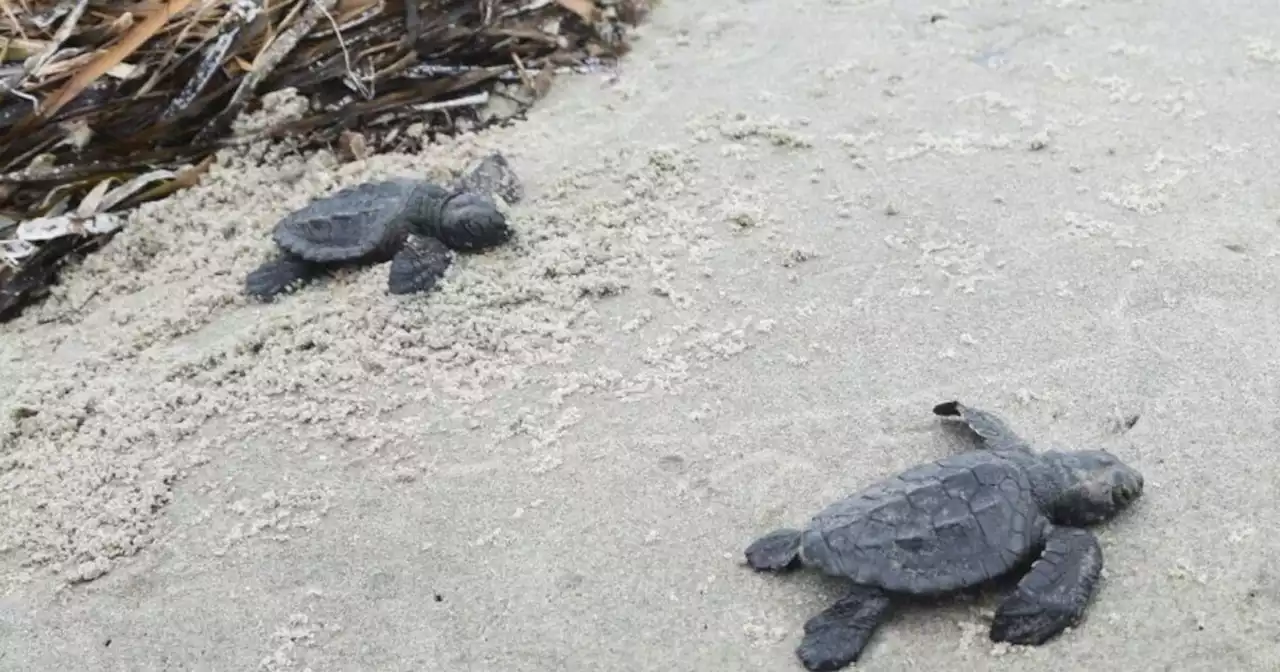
(938,527)
(361,222)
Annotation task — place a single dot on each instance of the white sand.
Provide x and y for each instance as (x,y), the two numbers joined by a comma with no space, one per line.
(746,271)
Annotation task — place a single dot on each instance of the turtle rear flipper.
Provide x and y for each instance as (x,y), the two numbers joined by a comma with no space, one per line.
(419,265)
(1055,593)
(836,637)
(994,432)
(283,274)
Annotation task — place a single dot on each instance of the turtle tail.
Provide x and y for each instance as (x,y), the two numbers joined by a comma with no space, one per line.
(283,274)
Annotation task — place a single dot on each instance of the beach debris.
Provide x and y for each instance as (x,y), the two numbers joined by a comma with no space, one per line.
(415,224)
(958,522)
(29,258)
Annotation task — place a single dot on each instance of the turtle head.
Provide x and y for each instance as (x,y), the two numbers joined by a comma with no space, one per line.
(1095,486)
(470,220)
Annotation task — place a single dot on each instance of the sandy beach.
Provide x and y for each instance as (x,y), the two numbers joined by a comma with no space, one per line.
(747,266)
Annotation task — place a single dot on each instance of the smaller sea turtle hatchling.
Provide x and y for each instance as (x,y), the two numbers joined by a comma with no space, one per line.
(414,224)
(959,522)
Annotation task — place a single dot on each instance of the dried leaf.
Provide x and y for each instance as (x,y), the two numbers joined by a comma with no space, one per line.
(585,9)
(230,32)
(186,178)
(20,49)
(108,59)
(120,193)
(41,229)
(264,63)
(103,222)
(92,202)
(14,251)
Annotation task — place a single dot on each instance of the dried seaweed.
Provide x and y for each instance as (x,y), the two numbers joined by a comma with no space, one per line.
(110,103)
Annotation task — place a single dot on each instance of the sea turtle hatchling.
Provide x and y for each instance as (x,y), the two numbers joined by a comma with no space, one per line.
(955,523)
(415,224)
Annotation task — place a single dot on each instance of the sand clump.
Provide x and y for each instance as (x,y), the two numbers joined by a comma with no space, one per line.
(130,376)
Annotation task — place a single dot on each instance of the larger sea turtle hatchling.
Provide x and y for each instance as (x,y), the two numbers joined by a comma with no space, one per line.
(415,224)
(954,523)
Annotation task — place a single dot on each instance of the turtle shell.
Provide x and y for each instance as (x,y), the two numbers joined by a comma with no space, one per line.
(938,527)
(351,224)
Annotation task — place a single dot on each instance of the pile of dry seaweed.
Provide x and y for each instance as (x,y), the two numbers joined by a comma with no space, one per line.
(105,104)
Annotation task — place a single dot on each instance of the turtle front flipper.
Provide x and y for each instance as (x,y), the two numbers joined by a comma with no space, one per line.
(491,176)
(994,432)
(1055,593)
(775,552)
(419,265)
(283,274)
(836,637)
